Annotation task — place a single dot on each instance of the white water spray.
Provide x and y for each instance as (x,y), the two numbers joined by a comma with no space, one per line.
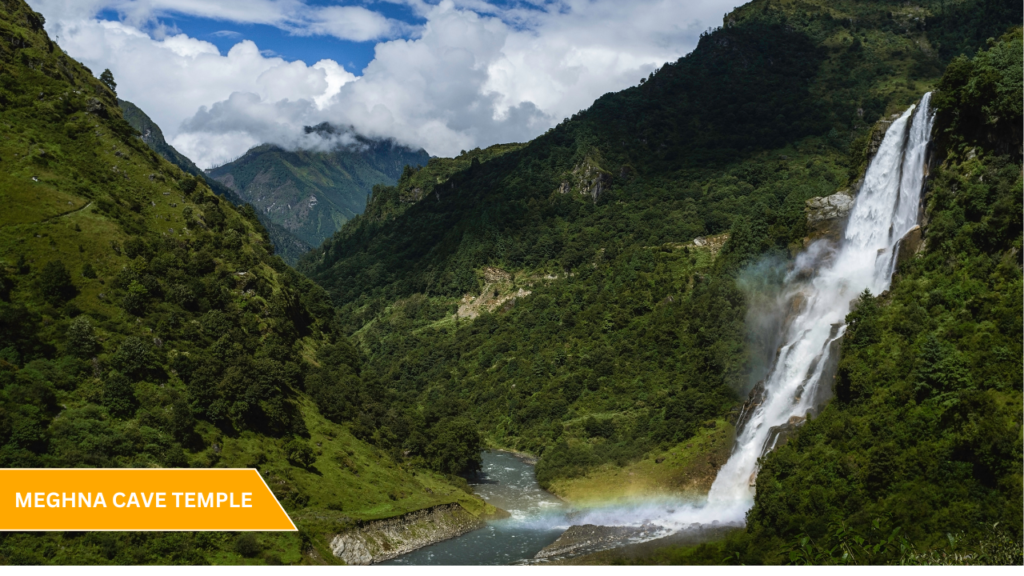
(884,211)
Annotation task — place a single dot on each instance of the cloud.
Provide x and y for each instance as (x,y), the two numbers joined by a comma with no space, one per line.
(467,74)
(353,23)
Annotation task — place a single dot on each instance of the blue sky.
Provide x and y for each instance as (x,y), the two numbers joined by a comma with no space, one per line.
(220,76)
(354,56)
(224,34)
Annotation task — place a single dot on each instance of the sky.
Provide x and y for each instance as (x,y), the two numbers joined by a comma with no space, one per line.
(222,76)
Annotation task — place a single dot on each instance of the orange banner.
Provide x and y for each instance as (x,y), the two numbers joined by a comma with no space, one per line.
(138,499)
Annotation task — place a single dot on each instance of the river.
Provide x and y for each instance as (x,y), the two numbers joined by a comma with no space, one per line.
(537,519)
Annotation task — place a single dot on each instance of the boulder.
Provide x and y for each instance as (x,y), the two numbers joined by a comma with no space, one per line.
(590,538)
(827,214)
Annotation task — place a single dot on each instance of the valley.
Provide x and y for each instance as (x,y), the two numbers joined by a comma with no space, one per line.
(763,307)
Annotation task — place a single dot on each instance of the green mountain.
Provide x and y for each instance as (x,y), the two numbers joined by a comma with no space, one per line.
(583,296)
(145,322)
(285,243)
(154,137)
(312,194)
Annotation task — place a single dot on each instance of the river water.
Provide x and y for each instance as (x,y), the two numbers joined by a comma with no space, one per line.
(538,518)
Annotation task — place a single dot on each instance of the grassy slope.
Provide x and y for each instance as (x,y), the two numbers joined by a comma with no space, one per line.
(77,185)
(686,469)
(773,109)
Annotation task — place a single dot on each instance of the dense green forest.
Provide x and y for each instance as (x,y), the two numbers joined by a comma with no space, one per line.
(146,322)
(918,459)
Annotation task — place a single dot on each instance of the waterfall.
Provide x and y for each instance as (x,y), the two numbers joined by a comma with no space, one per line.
(819,290)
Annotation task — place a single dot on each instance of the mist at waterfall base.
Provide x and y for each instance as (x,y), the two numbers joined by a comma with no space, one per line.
(797,313)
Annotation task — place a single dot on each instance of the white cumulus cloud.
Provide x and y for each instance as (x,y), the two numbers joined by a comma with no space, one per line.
(467,74)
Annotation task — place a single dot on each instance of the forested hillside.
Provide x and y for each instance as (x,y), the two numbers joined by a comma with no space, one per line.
(918,459)
(145,322)
(583,296)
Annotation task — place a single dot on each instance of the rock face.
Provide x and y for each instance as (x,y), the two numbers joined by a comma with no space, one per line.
(826,215)
(498,292)
(878,133)
(779,435)
(591,538)
(382,540)
(588,179)
(909,245)
(754,399)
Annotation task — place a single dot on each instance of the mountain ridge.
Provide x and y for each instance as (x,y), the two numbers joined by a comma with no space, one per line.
(313,193)
(285,243)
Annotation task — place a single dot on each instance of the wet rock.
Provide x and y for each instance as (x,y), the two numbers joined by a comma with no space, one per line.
(754,400)
(590,538)
(779,435)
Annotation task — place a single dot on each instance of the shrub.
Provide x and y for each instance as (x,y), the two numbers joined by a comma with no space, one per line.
(55,283)
(299,453)
(247,545)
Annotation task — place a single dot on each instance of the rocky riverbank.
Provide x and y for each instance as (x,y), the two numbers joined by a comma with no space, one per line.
(380,540)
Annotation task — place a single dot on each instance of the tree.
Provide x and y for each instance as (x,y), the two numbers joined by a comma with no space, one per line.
(135,301)
(132,357)
(107,77)
(6,285)
(119,395)
(456,447)
(81,341)
(55,283)
(182,421)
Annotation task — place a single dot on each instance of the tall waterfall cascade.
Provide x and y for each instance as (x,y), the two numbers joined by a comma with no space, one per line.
(820,289)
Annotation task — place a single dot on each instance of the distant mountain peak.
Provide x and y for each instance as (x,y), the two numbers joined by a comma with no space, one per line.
(312,191)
